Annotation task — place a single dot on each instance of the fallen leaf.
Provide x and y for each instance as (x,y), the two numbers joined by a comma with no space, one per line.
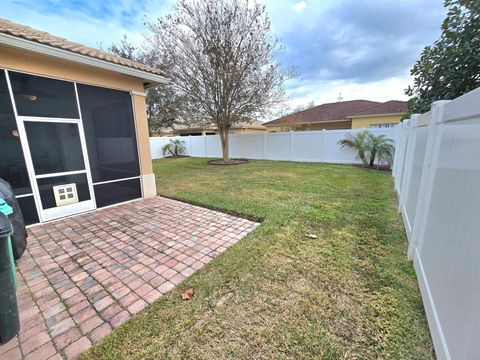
(311,236)
(187,295)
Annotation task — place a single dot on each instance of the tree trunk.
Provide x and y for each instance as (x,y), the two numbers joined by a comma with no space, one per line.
(224,140)
(361,155)
(372,158)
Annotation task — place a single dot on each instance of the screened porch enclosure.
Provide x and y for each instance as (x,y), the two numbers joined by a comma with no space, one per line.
(66,147)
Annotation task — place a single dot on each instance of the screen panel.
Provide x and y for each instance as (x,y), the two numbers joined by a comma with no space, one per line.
(55,147)
(116,192)
(29,211)
(109,125)
(12,162)
(43,97)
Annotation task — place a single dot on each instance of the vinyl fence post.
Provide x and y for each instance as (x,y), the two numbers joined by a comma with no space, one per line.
(241,145)
(265,145)
(190,142)
(430,164)
(205,143)
(401,156)
(408,162)
(322,145)
(291,145)
(398,146)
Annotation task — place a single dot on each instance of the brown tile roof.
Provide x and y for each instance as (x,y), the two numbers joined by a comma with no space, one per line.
(25,32)
(325,112)
(389,107)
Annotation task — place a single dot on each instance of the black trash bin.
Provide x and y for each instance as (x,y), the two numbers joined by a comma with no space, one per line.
(19,238)
(9,321)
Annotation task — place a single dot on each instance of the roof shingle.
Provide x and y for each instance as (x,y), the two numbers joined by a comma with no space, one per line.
(342,110)
(325,112)
(25,32)
(389,107)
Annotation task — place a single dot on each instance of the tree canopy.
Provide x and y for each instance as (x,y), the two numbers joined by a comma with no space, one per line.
(221,56)
(164,105)
(451,66)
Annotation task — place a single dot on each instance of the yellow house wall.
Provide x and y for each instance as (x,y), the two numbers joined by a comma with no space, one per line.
(310,127)
(330,126)
(277,128)
(37,64)
(365,122)
(249,131)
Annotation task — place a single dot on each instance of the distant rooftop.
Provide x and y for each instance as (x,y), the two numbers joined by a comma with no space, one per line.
(388,107)
(253,124)
(341,111)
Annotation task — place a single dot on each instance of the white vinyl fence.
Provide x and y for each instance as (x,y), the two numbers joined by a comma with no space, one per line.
(437,180)
(305,146)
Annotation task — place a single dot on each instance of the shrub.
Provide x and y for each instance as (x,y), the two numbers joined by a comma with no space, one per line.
(174,148)
(370,147)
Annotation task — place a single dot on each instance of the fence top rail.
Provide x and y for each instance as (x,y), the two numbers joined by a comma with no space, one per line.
(283,133)
(463,108)
(424,119)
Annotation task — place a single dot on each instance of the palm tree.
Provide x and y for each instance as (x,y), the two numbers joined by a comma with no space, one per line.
(359,143)
(174,147)
(381,147)
(369,147)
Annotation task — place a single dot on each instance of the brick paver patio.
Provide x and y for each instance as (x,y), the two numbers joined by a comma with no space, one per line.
(83,276)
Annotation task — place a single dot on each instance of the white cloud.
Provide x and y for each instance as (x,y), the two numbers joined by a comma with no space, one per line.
(78,26)
(300,6)
(336,46)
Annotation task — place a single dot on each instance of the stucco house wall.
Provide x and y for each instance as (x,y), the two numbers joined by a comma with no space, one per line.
(367,121)
(334,125)
(41,57)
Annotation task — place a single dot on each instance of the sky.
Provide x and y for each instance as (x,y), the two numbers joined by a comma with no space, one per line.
(361,49)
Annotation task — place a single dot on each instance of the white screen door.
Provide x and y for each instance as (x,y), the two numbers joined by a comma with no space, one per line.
(57,153)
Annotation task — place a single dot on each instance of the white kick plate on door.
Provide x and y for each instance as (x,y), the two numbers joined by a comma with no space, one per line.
(65,194)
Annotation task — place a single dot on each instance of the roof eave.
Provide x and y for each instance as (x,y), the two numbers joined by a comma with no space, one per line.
(82,59)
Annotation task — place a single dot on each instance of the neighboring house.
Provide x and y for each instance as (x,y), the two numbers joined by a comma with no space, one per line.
(342,115)
(383,115)
(252,127)
(73,125)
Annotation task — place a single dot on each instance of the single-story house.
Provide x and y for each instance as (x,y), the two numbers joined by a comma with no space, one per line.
(73,125)
(342,115)
(245,127)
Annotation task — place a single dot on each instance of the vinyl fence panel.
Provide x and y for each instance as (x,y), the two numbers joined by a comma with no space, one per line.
(213,146)
(307,146)
(438,185)
(303,146)
(253,146)
(197,145)
(278,146)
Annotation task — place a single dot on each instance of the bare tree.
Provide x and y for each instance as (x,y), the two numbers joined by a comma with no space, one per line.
(164,104)
(288,110)
(221,56)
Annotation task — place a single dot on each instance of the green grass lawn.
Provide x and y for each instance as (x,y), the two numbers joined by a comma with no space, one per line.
(278,294)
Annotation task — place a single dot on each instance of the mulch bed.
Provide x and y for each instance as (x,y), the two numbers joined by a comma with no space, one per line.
(176,156)
(229,162)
